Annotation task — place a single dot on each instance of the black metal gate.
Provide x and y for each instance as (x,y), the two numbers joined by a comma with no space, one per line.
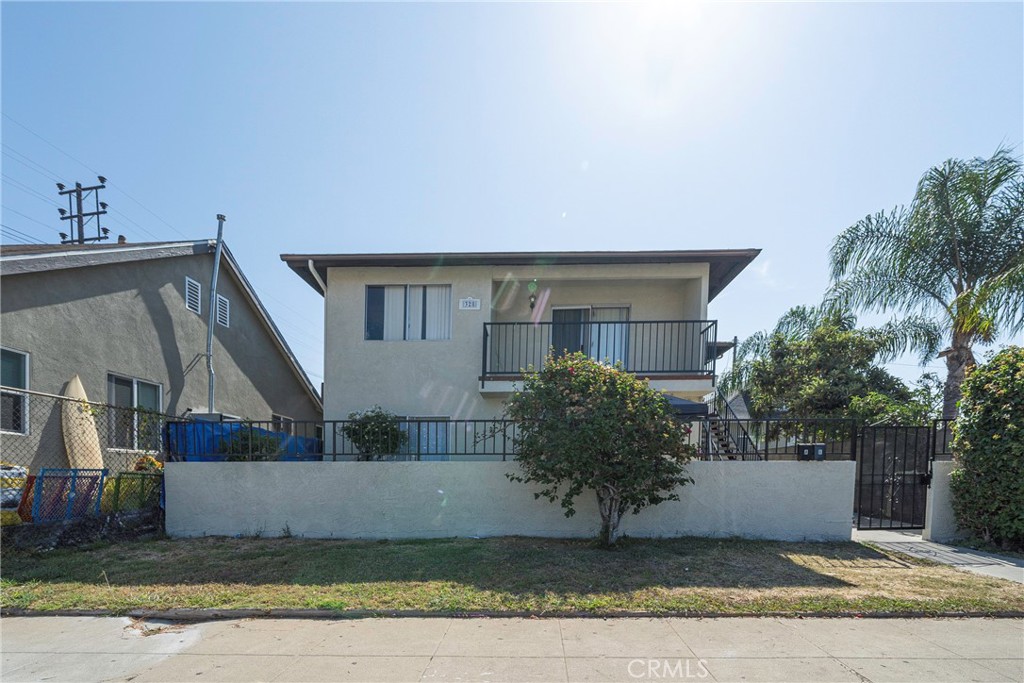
(893,473)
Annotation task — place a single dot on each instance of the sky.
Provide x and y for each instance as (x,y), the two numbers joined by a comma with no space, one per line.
(408,127)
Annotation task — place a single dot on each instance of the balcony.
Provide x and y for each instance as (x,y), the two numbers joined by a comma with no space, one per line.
(672,353)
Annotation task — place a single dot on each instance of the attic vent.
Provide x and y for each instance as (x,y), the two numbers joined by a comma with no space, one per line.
(193,296)
(223,311)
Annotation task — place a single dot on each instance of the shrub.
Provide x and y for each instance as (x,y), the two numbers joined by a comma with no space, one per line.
(250,444)
(587,426)
(375,433)
(988,445)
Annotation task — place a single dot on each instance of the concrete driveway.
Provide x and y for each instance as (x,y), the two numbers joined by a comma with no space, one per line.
(735,649)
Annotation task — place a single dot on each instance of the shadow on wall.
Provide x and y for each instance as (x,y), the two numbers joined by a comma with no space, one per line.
(525,566)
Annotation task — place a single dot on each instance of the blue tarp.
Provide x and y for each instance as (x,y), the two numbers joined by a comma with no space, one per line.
(205,441)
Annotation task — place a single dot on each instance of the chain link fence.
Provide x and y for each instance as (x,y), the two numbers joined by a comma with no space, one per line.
(63,458)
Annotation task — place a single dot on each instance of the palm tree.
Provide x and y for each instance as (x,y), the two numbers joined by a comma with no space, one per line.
(955,257)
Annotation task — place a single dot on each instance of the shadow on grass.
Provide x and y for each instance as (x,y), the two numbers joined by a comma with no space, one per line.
(514,565)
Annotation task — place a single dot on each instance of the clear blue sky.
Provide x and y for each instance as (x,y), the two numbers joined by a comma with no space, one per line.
(459,127)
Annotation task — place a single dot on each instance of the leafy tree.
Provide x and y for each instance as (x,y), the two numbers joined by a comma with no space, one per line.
(798,323)
(584,426)
(988,445)
(819,376)
(375,432)
(922,405)
(952,261)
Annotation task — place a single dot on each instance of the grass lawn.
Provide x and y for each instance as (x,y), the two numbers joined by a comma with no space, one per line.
(502,574)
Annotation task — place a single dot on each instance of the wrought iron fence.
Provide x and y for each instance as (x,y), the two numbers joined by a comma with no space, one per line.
(942,439)
(341,440)
(729,438)
(62,458)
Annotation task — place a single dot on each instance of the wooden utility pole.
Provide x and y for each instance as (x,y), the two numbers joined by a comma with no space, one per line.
(76,212)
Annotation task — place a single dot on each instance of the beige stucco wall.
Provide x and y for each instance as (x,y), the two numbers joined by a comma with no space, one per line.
(785,500)
(939,520)
(441,378)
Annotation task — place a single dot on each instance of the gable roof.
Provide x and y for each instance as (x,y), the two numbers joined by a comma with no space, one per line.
(35,258)
(725,264)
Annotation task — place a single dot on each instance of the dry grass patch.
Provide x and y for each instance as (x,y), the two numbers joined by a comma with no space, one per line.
(502,574)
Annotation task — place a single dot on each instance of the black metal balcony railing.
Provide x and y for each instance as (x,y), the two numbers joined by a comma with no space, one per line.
(645,347)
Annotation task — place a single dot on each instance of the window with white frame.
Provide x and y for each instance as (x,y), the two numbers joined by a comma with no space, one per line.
(193,296)
(223,311)
(135,413)
(13,404)
(408,312)
(281,423)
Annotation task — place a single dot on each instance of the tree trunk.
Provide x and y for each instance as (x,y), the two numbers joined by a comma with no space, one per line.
(959,359)
(610,506)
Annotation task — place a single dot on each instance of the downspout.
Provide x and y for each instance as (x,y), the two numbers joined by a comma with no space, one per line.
(316,276)
(213,311)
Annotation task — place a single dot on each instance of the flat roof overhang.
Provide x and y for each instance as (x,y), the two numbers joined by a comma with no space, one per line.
(725,264)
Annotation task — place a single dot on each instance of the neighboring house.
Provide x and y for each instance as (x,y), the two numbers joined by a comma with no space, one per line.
(131,321)
(445,336)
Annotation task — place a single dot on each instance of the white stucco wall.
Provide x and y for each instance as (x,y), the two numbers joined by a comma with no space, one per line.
(769,500)
(939,520)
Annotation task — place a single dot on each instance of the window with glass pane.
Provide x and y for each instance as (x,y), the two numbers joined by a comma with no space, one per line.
(134,421)
(409,312)
(281,423)
(428,438)
(147,419)
(13,405)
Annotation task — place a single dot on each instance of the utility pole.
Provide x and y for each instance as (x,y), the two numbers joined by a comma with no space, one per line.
(76,212)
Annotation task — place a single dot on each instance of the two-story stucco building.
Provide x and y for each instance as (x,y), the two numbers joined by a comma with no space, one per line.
(445,336)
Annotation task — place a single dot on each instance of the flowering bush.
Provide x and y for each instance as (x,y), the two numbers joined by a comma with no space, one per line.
(148,463)
(375,432)
(588,426)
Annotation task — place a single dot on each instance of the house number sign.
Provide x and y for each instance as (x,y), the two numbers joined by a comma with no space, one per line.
(469,304)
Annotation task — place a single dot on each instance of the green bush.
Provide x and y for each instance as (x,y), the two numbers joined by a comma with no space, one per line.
(988,445)
(248,444)
(586,427)
(376,433)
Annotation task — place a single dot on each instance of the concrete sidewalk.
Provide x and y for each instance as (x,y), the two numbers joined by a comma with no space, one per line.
(975,561)
(856,650)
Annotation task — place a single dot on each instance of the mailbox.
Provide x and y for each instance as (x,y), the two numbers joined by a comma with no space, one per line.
(810,451)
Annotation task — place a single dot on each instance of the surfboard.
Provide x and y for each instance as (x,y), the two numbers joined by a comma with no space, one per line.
(81,439)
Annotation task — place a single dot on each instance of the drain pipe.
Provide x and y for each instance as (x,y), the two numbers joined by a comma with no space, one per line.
(213,311)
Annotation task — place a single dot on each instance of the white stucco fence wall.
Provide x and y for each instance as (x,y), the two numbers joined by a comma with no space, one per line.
(767,500)
(939,520)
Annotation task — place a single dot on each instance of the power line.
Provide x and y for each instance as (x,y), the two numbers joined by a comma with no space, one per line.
(125,217)
(46,175)
(29,190)
(7,238)
(113,185)
(26,216)
(33,236)
(22,235)
(31,163)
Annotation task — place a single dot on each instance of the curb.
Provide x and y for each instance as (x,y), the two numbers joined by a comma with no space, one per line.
(200,615)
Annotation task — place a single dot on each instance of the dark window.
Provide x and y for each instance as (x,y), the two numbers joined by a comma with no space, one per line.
(374,312)
(134,421)
(13,405)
